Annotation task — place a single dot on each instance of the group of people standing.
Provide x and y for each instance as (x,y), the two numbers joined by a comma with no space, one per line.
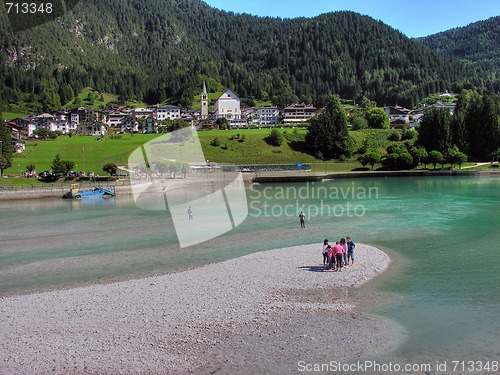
(340,255)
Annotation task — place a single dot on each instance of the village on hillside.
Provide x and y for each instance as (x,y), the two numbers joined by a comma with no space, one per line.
(97,122)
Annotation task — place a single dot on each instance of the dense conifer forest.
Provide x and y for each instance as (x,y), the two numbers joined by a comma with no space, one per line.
(161,50)
(479,43)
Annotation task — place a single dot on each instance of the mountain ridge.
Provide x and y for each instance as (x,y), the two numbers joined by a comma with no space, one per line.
(477,42)
(164,49)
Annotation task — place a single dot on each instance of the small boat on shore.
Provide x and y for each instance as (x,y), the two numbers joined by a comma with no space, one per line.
(97,192)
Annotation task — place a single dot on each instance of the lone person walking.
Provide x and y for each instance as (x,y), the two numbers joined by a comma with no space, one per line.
(302,218)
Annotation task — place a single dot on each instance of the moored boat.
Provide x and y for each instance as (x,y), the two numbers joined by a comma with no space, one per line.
(96,192)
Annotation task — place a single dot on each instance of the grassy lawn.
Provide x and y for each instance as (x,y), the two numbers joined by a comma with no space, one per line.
(242,146)
(247,146)
(96,153)
(22,182)
(211,95)
(13,115)
(261,103)
(376,138)
(83,97)
(486,167)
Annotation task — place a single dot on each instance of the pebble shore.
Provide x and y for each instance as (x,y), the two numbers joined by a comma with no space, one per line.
(261,313)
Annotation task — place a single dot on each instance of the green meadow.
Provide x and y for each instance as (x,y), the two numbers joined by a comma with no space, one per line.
(13,115)
(87,152)
(90,98)
(248,146)
(238,146)
(244,146)
(212,96)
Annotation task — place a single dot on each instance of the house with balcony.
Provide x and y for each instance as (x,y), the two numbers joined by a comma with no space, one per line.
(399,117)
(45,121)
(115,120)
(78,115)
(95,128)
(299,113)
(15,130)
(16,134)
(167,112)
(26,126)
(142,113)
(64,126)
(268,115)
(130,124)
(150,125)
(74,118)
(95,116)
(190,116)
(249,114)
(397,112)
(419,113)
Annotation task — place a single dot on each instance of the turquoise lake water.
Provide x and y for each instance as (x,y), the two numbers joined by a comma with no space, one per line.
(443,232)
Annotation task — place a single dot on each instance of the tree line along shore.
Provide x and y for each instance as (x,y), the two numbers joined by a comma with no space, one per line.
(328,141)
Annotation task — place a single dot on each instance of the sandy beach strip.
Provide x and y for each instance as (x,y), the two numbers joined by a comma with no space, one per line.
(262,312)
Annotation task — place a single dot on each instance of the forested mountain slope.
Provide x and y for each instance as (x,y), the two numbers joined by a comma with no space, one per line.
(154,50)
(478,42)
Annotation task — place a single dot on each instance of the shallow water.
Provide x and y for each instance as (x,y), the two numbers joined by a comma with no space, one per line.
(445,293)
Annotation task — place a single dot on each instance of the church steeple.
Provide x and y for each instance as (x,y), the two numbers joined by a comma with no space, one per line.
(204,102)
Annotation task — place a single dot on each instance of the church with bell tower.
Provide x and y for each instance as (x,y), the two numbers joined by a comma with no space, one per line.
(204,102)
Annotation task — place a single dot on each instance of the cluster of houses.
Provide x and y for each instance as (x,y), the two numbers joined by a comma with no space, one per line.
(95,122)
(402,118)
(228,106)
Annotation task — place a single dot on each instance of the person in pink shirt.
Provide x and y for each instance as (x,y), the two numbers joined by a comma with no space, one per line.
(338,250)
(344,255)
(330,256)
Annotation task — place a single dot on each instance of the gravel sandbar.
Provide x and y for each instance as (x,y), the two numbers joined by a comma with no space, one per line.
(261,313)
